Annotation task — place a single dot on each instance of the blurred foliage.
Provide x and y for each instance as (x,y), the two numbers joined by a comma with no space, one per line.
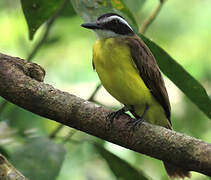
(39,158)
(37,12)
(135,6)
(182,30)
(122,169)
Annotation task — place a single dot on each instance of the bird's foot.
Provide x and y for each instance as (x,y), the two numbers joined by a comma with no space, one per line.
(135,123)
(115,114)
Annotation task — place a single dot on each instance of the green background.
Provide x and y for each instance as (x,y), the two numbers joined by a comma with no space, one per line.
(182,29)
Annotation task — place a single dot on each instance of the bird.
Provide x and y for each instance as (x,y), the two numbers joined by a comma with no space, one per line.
(129,72)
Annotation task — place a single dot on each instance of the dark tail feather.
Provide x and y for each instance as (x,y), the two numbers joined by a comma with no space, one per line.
(176,172)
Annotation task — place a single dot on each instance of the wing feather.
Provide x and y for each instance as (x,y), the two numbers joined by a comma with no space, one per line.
(149,72)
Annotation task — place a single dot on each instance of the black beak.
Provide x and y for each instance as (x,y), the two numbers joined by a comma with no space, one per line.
(91,25)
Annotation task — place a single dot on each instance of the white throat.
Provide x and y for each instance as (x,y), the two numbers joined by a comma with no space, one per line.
(103,34)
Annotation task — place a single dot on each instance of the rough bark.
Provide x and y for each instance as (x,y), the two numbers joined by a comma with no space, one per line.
(8,171)
(21,83)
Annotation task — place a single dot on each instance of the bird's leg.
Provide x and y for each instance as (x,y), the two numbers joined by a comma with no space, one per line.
(136,122)
(115,114)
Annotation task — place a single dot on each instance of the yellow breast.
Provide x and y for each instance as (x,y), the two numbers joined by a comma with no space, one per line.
(120,77)
(118,73)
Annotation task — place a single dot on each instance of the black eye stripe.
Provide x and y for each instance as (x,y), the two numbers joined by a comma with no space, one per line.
(115,23)
(118,27)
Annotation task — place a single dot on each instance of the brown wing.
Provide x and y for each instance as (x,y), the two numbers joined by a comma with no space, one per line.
(149,72)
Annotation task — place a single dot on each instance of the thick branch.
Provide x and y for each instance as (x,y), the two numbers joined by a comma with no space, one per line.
(20,83)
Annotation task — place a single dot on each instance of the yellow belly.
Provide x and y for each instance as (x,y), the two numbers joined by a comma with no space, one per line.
(121,79)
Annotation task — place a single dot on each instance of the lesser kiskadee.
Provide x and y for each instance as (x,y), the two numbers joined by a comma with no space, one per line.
(129,72)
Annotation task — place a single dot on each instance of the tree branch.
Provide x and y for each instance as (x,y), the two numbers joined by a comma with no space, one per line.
(152,17)
(20,83)
(8,171)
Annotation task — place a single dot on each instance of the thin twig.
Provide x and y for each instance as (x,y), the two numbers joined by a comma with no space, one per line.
(151,18)
(69,136)
(91,98)
(54,133)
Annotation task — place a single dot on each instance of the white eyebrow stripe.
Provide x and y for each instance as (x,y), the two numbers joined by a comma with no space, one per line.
(119,18)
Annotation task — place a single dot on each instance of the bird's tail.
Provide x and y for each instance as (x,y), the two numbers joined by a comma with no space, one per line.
(176,172)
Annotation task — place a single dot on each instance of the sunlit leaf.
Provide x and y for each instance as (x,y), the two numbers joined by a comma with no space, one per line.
(181,78)
(90,10)
(121,169)
(37,12)
(39,158)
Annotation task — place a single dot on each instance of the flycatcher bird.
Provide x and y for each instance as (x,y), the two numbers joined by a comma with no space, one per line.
(129,72)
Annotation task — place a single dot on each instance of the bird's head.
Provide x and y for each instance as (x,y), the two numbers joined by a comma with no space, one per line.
(110,25)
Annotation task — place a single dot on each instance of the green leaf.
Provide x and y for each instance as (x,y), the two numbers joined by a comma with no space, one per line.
(37,12)
(134,5)
(180,77)
(90,10)
(39,158)
(68,10)
(121,169)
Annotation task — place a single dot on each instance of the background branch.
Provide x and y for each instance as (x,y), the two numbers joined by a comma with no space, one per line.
(20,83)
(8,171)
(56,131)
(148,21)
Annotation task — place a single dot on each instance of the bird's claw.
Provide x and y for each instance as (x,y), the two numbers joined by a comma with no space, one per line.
(112,115)
(135,123)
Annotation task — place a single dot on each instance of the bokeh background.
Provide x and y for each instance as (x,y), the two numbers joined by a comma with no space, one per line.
(182,28)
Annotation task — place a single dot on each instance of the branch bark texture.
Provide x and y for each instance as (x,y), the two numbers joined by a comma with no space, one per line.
(8,171)
(21,83)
